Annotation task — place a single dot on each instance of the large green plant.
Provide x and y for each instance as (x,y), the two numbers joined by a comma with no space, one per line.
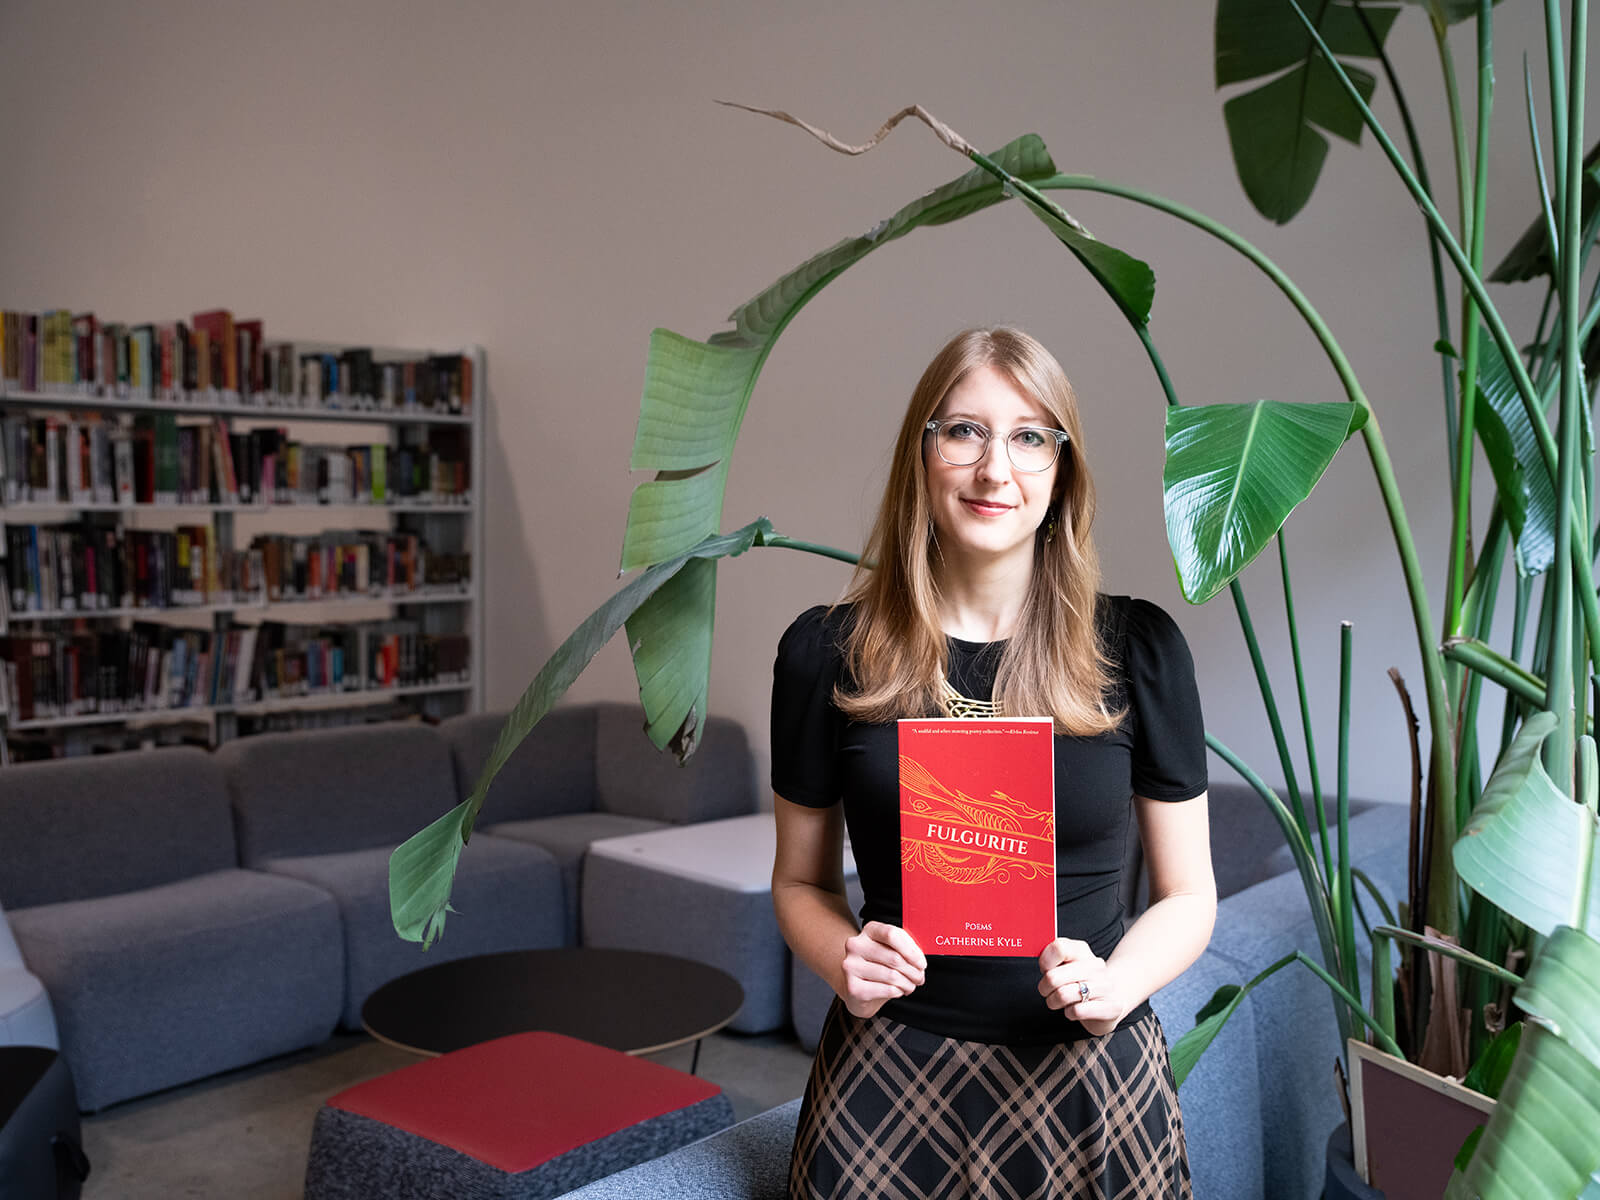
(1234,472)
(1512,861)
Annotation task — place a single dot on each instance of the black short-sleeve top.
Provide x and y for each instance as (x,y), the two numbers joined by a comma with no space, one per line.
(820,758)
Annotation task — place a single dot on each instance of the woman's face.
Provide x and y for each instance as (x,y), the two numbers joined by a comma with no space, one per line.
(988,512)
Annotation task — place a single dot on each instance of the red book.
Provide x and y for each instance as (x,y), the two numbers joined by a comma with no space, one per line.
(218,327)
(977,835)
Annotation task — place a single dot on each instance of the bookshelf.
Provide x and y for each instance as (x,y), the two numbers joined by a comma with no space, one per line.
(199,547)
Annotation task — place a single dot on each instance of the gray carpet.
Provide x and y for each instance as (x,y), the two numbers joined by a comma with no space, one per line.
(245,1135)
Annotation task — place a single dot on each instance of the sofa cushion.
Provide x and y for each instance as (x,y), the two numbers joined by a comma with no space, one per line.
(507,897)
(637,780)
(567,838)
(80,828)
(551,771)
(168,984)
(328,791)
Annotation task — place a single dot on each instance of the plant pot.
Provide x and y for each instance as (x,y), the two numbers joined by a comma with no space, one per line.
(1408,1124)
(1342,1181)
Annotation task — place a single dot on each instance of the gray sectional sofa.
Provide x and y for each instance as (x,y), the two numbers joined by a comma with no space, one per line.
(188,912)
(1257,1109)
(326,808)
(587,772)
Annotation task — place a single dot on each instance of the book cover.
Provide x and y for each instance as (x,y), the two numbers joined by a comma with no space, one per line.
(977,835)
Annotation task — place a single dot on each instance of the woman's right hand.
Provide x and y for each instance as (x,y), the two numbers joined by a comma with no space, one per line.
(881,963)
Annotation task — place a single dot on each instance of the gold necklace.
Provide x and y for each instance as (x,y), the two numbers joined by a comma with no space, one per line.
(965,707)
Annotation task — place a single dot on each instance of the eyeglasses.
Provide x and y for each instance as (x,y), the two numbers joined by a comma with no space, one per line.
(1031,448)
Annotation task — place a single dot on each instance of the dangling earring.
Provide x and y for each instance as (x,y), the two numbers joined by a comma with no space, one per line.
(1050,526)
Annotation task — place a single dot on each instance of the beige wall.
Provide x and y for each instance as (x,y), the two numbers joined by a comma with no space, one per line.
(552,181)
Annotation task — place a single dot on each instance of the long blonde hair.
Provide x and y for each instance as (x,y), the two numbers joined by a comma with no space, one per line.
(895,650)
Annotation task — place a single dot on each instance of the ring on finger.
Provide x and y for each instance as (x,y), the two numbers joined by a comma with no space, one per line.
(1083,992)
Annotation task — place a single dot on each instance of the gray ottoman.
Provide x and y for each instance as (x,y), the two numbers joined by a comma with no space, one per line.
(701,891)
(524,1117)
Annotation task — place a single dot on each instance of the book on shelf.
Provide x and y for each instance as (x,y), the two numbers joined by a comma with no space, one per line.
(89,567)
(215,358)
(150,668)
(160,458)
(977,835)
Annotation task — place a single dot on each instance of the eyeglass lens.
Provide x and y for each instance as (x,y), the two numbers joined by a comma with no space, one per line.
(962,443)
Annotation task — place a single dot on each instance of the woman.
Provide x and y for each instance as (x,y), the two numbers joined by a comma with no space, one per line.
(956,1076)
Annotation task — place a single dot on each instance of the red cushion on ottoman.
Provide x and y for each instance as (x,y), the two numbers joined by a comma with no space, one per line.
(511,1106)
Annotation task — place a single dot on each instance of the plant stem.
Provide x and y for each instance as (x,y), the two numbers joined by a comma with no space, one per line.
(1497,326)
(1385,1042)
(1585,794)
(782,542)
(1305,707)
(1545,206)
(1383,987)
(1493,666)
(1458,127)
(1440,303)
(1518,635)
(1475,961)
(1314,885)
(1345,890)
(1475,204)
(1558,750)
(1274,721)
(1478,618)
(1558,104)
(1154,355)
(1539,350)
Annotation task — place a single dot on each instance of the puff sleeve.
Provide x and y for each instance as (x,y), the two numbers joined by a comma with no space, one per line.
(1169,736)
(805,724)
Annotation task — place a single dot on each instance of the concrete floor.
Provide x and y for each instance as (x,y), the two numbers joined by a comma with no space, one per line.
(244,1135)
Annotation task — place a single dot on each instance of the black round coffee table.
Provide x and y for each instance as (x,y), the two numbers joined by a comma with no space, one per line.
(628,1000)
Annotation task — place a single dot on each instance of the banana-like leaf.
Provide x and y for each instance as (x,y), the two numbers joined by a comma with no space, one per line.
(694,400)
(1527,845)
(696,393)
(1530,257)
(1527,493)
(1208,1022)
(1186,1051)
(1488,1075)
(1233,474)
(1273,129)
(1540,1143)
(1131,282)
(670,637)
(1510,483)
(422,870)
(1563,990)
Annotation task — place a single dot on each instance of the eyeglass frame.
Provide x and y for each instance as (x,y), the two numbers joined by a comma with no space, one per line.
(1061,436)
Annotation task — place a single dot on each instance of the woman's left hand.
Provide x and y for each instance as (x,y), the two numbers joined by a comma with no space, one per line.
(1076,980)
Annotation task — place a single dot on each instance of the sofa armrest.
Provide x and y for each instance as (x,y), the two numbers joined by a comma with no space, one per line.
(748,1161)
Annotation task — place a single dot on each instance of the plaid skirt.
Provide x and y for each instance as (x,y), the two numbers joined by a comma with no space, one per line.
(899,1113)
